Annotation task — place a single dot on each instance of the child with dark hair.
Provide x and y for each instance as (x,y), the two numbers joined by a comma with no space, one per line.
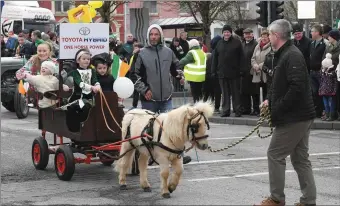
(102,63)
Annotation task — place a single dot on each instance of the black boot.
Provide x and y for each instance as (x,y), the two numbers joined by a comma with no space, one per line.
(331,117)
(186,159)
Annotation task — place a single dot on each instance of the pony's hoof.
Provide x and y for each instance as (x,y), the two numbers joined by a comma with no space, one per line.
(171,189)
(166,195)
(147,189)
(123,187)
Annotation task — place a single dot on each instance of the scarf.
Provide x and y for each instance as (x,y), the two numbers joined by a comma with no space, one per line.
(262,44)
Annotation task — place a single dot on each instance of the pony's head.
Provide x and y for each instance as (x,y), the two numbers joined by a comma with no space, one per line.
(198,123)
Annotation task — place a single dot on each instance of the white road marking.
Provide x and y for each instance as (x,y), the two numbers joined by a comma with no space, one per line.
(244,159)
(227,138)
(253,174)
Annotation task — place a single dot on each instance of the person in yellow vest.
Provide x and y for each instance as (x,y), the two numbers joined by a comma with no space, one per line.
(194,64)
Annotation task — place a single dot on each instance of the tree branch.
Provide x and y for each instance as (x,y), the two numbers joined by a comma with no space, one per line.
(114,3)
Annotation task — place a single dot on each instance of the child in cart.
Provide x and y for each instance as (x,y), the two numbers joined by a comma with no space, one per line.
(85,83)
(44,82)
(102,63)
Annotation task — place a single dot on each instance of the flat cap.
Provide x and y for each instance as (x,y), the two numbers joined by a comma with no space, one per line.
(248,30)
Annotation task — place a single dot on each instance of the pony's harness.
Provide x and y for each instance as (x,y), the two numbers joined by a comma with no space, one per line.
(148,129)
(193,127)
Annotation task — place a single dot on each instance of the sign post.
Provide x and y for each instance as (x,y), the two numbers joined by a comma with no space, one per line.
(337,23)
(94,37)
(306,11)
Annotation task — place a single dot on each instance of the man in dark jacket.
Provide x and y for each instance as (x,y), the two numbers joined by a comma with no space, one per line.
(292,113)
(212,87)
(248,89)
(317,50)
(302,42)
(126,50)
(228,64)
(184,43)
(24,48)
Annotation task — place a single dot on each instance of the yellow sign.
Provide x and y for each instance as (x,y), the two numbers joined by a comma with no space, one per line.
(95,4)
(84,13)
(195,33)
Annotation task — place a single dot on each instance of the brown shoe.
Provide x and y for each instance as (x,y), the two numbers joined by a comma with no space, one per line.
(301,204)
(270,202)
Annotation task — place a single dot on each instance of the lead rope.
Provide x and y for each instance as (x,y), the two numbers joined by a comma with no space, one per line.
(264,116)
(102,96)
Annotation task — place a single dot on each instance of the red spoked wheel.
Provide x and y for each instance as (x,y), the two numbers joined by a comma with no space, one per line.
(40,153)
(64,163)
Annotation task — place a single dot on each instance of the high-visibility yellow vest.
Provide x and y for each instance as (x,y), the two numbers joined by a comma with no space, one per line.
(131,60)
(195,72)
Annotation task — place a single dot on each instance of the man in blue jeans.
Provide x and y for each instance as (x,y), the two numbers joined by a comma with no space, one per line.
(152,70)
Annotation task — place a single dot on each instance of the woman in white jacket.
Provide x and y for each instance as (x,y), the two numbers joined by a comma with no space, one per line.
(259,55)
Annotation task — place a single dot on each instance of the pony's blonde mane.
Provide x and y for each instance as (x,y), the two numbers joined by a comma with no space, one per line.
(176,122)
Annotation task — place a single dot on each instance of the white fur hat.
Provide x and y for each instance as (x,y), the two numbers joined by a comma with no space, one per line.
(50,66)
(193,42)
(327,62)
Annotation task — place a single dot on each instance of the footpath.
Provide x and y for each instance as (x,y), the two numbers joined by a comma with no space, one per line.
(180,98)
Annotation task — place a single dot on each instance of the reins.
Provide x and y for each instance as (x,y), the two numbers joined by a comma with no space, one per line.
(102,96)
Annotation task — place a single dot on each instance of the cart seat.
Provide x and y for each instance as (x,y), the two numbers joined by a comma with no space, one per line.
(93,129)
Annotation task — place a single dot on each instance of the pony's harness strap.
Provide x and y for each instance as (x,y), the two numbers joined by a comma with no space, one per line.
(193,127)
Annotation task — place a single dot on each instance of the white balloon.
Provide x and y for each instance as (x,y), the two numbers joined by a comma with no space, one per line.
(124,87)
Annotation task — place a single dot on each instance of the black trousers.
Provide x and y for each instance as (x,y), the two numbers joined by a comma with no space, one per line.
(247,101)
(338,99)
(135,99)
(212,90)
(196,90)
(230,88)
(315,78)
(76,115)
(264,90)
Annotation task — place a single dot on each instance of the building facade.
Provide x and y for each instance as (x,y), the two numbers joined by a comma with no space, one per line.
(119,23)
(60,8)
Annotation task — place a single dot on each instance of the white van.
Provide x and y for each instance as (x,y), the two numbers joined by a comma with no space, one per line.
(19,15)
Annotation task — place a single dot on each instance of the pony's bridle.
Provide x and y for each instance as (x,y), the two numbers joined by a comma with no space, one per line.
(193,127)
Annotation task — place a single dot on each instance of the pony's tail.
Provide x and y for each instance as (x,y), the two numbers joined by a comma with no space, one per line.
(127,159)
(126,122)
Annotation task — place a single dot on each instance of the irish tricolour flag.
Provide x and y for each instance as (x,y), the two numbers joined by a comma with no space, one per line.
(118,67)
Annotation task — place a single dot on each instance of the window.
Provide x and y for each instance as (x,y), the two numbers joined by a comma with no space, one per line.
(244,5)
(183,9)
(62,6)
(152,6)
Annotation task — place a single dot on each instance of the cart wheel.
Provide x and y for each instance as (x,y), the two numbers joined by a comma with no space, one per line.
(64,163)
(40,153)
(135,169)
(105,160)
(20,104)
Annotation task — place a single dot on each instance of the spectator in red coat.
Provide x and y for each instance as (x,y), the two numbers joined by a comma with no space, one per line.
(203,46)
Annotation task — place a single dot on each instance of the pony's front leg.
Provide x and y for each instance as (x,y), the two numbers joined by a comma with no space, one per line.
(177,172)
(143,174)
(165,170)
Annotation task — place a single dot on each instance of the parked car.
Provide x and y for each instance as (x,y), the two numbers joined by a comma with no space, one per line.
(9,65)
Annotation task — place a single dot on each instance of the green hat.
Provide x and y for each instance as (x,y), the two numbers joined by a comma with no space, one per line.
(113,36)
